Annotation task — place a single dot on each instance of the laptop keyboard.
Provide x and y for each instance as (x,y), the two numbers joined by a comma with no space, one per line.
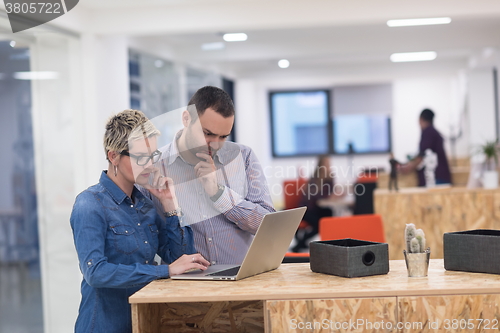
(227,272)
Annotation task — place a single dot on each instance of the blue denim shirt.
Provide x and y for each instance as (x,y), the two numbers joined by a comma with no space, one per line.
(116,241)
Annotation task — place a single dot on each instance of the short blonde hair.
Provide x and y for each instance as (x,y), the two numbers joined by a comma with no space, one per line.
(124,127)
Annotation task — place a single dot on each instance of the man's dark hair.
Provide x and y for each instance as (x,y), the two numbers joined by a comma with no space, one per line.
(214,98)
(427,115)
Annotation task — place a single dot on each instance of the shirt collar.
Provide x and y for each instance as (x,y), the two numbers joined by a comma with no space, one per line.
(173,154)
(115,192)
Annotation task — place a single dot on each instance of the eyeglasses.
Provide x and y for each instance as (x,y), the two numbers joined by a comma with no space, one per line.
(144,159)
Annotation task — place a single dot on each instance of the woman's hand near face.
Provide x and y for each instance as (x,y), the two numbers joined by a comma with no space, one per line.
(163,189)
(187,262)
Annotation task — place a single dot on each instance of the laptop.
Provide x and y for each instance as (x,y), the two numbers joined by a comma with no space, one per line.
(268,248)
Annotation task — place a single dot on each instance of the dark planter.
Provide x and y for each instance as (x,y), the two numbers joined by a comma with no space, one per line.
(472,251)
(349,257)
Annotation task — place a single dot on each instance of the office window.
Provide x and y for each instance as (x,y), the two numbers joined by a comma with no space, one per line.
(358,122)
(361,119)
(360,133)
(300,122)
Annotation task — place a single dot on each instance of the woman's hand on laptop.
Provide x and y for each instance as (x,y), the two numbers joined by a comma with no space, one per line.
(188,262)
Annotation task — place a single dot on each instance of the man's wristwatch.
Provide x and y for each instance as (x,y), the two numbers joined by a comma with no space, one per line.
(175,212)
(217,195)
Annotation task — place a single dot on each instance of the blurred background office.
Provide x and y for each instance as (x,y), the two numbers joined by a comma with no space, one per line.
(307,78)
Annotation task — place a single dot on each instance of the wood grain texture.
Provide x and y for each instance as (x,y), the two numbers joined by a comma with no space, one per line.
(436,212)
(466,313)
(200,317)
(332,315)
(297,281)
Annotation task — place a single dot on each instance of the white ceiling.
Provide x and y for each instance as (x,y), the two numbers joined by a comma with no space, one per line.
(316,35)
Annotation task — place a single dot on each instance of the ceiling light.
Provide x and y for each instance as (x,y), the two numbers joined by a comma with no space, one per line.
(35,75)
(12,43)
(283,63)
(159,63)
(213,46)
(238,37)
(413,56)
(420,21)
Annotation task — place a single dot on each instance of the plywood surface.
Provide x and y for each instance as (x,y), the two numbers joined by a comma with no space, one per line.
(436,212)
(296,281)
(247,316)
(467,313)
(332,315)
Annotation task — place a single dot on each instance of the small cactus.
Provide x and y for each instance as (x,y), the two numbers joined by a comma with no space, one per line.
(415,239)
(414,246)
(420,236)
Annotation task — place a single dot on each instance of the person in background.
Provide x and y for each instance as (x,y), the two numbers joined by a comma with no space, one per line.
(430,139)
(117,230)
(393,177)
(320,185)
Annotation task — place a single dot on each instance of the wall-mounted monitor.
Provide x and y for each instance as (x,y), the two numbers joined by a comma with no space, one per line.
(341,120)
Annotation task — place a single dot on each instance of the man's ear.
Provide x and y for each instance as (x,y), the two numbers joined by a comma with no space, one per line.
(186,118)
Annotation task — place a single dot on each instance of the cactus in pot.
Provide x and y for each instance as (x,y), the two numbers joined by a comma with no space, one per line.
(416,253)
(415,239)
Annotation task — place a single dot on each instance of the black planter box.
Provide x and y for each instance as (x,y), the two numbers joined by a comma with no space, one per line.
(349,257)
(472,251)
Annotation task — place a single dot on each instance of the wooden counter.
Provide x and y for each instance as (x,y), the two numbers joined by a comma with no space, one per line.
(435,211)
(274,301)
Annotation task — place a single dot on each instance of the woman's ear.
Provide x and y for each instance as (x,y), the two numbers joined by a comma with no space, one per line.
(113,157)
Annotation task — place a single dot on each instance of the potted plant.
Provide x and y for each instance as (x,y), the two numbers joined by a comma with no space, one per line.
(416,254)
(490,174)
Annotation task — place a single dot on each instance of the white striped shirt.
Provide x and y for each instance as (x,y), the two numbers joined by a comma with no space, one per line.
(224,229)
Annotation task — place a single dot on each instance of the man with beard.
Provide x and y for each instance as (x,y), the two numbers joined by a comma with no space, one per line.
(220,185)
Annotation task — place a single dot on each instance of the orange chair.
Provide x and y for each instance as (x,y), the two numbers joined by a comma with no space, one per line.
(292,257)
(292,190)
(363,227)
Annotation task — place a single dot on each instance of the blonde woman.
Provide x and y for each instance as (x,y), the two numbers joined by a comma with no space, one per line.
(117,230)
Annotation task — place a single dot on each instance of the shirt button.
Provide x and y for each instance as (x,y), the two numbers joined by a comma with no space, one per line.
(138,224)
(145,242)
(132,206)
(213,262)
(146,261)
(126,231)
(89,263)
(210,239)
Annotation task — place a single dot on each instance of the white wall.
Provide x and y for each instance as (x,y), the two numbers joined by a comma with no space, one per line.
(481,115)
(441,92)
(69,115)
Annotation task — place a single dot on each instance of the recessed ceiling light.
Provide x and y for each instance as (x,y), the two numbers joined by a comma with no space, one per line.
(283,63)
(413,56)
(12,43)
(420,21)
(35,75)
(237,37)
(213,46)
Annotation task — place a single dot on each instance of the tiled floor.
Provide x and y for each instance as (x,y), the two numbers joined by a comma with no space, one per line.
(20,298)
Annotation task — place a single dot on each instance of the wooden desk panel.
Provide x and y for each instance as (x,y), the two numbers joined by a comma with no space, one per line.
(293,291)
(435,211)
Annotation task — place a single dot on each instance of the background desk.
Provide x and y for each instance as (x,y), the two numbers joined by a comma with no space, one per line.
(271,301)
(435,211)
